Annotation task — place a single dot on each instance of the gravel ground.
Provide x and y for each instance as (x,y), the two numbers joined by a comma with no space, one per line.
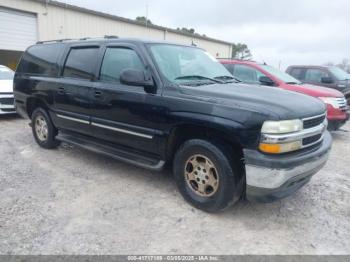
(70,201)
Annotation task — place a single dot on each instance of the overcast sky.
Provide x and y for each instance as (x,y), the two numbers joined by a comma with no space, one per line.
(290,32)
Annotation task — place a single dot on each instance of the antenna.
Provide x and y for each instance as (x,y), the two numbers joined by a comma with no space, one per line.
(262,59)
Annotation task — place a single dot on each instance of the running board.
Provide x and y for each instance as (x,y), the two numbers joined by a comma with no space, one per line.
(111,151)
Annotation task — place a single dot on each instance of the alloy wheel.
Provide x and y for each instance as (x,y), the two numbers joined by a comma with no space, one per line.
(201,175)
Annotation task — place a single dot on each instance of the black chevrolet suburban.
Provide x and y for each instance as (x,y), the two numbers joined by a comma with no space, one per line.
(157,104)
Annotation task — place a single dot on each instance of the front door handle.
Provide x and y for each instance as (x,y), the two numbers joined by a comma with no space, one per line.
(61,90)
(97,94)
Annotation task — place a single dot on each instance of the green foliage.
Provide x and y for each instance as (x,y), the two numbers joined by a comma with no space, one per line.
(144,20)
(241,51)
(186,30)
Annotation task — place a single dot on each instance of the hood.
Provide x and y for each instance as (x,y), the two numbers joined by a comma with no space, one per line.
(274,102)
(6,86)
(313,90)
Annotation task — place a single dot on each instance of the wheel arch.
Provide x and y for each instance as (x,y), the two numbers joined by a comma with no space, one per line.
(183,132)
(33,103)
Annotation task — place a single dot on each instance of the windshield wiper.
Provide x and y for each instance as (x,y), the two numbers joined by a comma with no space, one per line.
(228,78)
(196,77)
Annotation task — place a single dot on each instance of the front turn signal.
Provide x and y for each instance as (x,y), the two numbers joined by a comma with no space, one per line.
(280,148)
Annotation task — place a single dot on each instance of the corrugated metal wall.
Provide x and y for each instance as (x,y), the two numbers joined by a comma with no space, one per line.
(56,23)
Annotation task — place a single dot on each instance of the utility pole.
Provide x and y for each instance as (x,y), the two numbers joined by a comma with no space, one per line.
(147,15)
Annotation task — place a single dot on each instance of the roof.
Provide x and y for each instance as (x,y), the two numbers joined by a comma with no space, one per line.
(127,20)
(310,66)
(111,39)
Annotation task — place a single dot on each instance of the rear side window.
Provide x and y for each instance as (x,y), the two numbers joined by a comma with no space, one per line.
(41,60)
(116,60)
(315,75)
(80,63)
(297,73)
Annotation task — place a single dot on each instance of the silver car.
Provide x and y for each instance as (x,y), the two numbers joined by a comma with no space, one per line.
(6,91)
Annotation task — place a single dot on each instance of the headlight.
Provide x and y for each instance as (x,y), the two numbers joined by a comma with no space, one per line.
(331,101)
(281,127)
(277,128)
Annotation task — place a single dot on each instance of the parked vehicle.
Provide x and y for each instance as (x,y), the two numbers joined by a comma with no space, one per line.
(328,76)
(6,91)
(152,104)
(255,73)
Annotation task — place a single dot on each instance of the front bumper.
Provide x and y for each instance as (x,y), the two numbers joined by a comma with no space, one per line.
(271,177)
(6,104)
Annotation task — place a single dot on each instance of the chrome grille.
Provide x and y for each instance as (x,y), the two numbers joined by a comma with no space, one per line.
(6,100)
(311,139)
(313,121)
(342,103)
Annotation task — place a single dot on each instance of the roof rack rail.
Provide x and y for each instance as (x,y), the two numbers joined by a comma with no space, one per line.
(83,38)
(56,40)
(111,36)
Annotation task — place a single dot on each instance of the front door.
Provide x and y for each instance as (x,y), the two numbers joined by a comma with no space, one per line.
(122,114)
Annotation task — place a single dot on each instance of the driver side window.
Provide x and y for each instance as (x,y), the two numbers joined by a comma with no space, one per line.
(116,60)
(247,74)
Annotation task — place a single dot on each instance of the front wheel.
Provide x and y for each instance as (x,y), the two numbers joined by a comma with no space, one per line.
(43,130)
(205,175)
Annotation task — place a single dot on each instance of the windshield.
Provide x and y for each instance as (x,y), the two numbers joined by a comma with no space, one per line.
(6,74)
(182,64)
(340,74)
(280,75)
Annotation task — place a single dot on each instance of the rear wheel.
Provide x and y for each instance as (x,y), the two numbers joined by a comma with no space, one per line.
(205,175)
(43,130)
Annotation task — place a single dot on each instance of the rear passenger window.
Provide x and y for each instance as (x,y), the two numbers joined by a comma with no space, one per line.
(315,75)
(116,60)
(81,62)
(41,59)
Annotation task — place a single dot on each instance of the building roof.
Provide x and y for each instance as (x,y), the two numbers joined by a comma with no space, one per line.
(127,20)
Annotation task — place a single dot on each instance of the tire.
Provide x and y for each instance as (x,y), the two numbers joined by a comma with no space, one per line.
(193,156)
(43,130)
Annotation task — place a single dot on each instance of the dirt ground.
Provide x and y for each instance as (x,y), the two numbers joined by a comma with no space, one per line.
(70,201)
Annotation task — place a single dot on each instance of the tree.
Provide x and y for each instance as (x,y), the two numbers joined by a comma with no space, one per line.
(143,20)
(241,51)
(186,30)
(344,65)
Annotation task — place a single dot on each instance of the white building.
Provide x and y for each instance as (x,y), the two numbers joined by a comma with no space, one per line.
(24,22)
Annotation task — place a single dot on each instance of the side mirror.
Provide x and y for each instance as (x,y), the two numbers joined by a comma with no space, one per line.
(327,80)
(264,80)
(134,77)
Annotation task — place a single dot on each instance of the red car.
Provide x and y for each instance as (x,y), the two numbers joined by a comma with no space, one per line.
(254,73)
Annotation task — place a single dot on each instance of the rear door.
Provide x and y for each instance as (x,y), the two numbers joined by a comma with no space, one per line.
(315,75)
(72,95)
(123,114)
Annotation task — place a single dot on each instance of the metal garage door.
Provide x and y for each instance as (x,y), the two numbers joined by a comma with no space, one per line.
(18,30)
